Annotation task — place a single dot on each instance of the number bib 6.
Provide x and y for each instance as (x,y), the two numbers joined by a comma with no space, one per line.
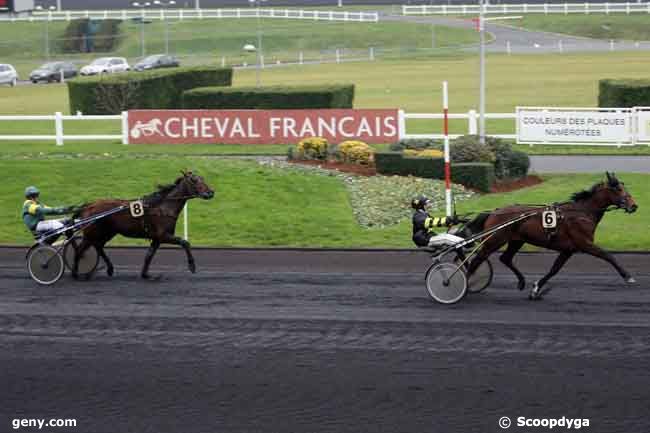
(549,219)
(136,208)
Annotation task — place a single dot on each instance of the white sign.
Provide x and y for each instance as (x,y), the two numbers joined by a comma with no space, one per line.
(642,124)
(549,219)
(137,209)
(557,125)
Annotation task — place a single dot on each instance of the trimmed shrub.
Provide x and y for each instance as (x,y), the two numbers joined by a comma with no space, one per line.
(311,148)
(518,164)
(623,93)
(395,163)
(415,144)
(158,89)
(467,148)
(355,152)
(477,175)
(270,97)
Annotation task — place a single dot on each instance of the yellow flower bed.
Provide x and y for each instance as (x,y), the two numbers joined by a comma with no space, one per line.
(355,151)
(427,153)
(312,148)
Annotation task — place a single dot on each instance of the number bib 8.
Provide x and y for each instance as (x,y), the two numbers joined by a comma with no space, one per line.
(136,208)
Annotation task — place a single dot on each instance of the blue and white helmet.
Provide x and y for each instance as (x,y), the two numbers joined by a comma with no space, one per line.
(31,191)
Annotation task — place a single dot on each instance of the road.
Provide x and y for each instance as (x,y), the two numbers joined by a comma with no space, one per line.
(321,341)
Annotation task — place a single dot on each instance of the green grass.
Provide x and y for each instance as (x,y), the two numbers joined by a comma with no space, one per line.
(634,27)
(206,41)
(289,208)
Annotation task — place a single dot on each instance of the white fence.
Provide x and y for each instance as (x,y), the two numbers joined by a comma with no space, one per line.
(638,134)
(59,137)
(192,14)
(543,8)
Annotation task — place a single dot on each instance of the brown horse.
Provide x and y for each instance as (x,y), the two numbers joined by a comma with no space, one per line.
(161,210)
(576,226)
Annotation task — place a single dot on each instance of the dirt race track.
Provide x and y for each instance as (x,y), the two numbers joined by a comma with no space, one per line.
(315,341)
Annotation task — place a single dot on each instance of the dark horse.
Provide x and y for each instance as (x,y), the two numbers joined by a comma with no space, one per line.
(576,226)
(161,210)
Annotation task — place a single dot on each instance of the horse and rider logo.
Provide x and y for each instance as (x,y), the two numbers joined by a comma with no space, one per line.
(146,129)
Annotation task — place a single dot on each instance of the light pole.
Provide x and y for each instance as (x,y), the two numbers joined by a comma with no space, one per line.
(47,29)
(481,99)
(142,7)
(256,3)
(165,5)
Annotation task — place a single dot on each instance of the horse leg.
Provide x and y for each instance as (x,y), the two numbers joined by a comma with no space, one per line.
(488,248)
(175,240)
(537,292)
(147,260)
(506,259)
(109,265)
(596,251)
(78,251)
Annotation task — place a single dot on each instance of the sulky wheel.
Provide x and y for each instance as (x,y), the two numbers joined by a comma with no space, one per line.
(481,278)
(87,261)
(45,264)
(446,283)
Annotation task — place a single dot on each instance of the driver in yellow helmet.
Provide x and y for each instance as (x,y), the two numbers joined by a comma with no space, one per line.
(34,212)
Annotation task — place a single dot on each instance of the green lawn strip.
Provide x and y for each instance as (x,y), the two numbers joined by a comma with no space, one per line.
(634,27)
(210,39)
(263,206)
(254,205)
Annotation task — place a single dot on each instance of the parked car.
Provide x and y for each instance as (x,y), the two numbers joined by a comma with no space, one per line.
(8,75)
(52,72)
(105,65)
(156,61)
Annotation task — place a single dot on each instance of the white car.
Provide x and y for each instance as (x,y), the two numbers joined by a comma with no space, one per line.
(8,75)
(106,65)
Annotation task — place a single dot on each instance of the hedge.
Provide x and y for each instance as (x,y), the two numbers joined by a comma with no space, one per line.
(477,175)
(623,93)
(158,89)
(270,97)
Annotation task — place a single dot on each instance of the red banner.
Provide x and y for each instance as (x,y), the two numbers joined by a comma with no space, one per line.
(261,126)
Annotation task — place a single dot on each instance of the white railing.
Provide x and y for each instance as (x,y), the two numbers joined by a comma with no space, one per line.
(539,8)
(193,14)
(59,136)
(640,133)
(471,116)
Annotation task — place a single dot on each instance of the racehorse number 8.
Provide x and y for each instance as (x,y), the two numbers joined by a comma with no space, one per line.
(137,209)
(549,219)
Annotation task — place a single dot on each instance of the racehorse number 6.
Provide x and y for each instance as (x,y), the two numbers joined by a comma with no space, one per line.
(549,219)
(137,209)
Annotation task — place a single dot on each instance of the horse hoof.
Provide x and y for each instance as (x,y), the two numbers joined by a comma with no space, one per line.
(521,286)
(534,293)
(192,267)
(150,277)
(110,272)
(630,280)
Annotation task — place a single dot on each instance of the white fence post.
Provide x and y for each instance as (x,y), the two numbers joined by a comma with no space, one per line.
(401,124)
(472,122)
(371,53)
(185,223)
(58,128)
(125,127)
(338,56)
(300,58)
(508,50)
(223,61)
(559,46)
(611,45)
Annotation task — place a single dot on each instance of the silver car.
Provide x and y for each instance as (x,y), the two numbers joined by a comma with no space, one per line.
(8,75)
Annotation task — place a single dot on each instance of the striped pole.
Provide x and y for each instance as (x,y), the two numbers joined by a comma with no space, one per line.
(445,108)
